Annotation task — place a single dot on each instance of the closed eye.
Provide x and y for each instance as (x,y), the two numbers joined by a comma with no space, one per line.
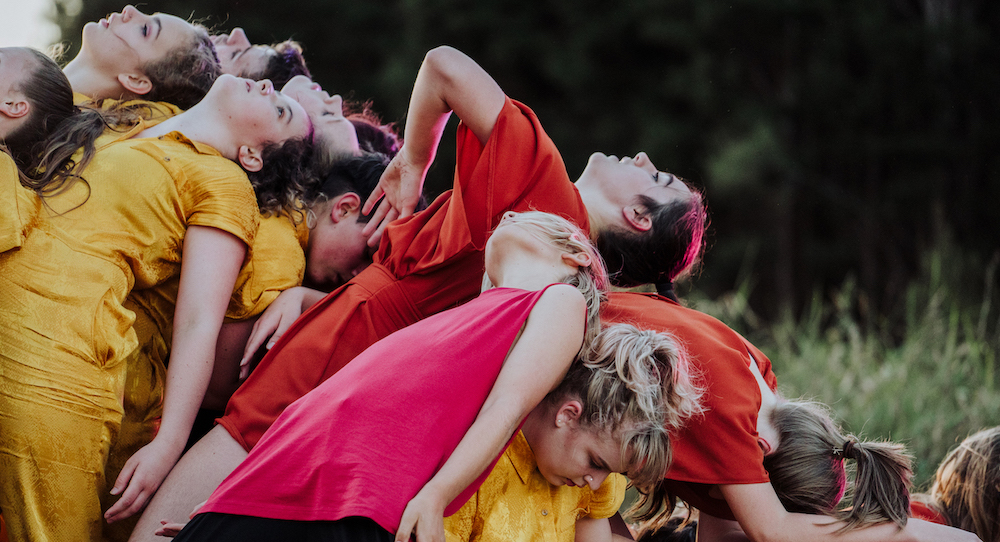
(145,30)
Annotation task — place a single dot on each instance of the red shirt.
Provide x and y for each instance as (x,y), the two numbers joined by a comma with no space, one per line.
(719,447)
(366,441)
(426,263)
(919,510)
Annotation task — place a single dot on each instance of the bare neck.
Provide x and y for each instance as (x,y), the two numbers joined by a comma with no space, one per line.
(92,83)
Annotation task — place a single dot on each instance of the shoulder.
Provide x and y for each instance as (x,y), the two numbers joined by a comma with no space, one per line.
(561,297)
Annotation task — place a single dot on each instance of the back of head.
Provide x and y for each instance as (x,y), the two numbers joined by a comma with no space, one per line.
(670,248)
(185,75)
(50,99)
(808,471)
(634,384)
(287,62)
(357,174)
(967,485)
(282,184)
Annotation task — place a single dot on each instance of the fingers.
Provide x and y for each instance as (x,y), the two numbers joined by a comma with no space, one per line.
(131,502)
(376,237)
(373,198)
(262,330)
(406,525)
(169,529)
(377,217)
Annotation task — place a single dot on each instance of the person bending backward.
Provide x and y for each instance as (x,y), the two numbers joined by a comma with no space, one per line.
(277,261)
(722,460)
(966,488)
(343,463)
(116,220)
(429,261)
(279,62)
(610,414)
(130,55)
(35,97)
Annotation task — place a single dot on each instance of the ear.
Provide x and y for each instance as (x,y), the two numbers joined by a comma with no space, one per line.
(637,217)
(344,206)
(577,259)
(135,83)
(250,158)
(568,414)
(14,108)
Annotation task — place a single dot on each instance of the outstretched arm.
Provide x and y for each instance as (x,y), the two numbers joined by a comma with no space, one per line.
(763,518)
(535,365)
(212,259)
(448,81)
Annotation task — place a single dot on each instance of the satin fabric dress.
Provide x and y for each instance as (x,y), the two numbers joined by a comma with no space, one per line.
(65,334)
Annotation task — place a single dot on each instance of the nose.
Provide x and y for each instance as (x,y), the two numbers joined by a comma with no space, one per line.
(238,37)
(266,86)
(335,101)
(127,12)
(595,480)
(509,215)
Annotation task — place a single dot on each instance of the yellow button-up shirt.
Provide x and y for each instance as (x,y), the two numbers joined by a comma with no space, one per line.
(516,503)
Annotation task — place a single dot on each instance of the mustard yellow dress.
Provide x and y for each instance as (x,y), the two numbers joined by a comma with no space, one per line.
(276,262)
(64,332)
(517,504)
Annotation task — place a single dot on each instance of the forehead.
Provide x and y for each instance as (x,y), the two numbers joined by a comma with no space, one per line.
(253,62)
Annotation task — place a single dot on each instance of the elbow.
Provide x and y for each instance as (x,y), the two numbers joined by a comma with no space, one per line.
(445,64)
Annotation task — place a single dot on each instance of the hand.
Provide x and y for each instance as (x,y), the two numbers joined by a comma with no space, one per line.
(173,529)
(423,518)
(272,324)
(140,478)
(401,185)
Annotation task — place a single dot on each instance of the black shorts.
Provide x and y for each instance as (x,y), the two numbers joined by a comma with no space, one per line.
(212,526)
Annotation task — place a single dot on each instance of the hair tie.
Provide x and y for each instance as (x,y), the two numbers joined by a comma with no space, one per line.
(844,452)
(666,289)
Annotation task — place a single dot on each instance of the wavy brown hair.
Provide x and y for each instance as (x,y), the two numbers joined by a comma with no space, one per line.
(50,99)
(966,488)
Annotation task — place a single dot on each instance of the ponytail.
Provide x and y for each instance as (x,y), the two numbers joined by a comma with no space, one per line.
(808,469)
(59,166)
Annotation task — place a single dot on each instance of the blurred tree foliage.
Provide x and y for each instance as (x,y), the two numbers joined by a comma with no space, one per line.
(831,136)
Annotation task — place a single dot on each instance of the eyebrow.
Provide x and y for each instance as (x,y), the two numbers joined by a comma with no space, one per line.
(159,26)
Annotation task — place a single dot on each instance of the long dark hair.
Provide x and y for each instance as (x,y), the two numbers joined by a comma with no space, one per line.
(185,75)
(671,247)
(50,96)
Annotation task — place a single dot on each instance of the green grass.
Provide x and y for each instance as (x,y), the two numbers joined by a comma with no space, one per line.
(926,376)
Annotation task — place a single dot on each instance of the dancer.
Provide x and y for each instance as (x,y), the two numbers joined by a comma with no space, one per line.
(343,461)
(966,488)
(558,465)
(722,460)
(279,62)
(430,261)
(107,230)
(130,55)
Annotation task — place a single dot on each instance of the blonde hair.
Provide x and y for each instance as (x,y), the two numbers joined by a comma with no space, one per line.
(808,471)
(966,487)
(635,385)
(592,280)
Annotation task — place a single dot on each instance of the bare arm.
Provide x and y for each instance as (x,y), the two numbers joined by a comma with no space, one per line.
(212,259)
(448,81)
(763,518)
(535,365)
